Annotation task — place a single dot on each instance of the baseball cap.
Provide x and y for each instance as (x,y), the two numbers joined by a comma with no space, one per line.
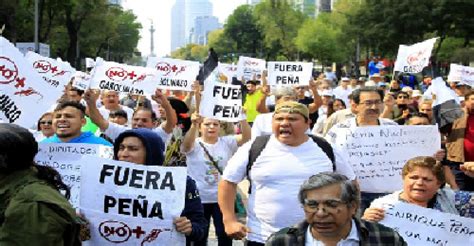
(292,107)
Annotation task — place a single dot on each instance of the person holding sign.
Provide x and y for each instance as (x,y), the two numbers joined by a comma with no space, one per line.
(423,185)
(207,157)
(32,209)
(330,203)
(144,147)
(69,118)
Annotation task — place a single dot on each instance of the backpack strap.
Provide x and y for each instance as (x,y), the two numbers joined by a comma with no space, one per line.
(255,149)
(326,147)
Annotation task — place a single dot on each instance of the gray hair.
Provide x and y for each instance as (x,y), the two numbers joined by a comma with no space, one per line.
(349,190)
(284,91)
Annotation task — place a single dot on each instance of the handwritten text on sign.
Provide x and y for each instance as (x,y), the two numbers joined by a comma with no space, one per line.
(249,68)
(378,154)
(222,102)
(174,74)
(67,159)
(289,73)
(424,226)
(132,204)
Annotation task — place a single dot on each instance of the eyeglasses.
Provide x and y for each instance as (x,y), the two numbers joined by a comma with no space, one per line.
(49,122)
(329,206)
(402,97)
(369,103)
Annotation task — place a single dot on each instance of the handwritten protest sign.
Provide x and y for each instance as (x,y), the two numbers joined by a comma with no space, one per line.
(413,58)
(462,74)
(378,154)
(130,204)
(81,80)
(424,226)
(20,88)
(174,74)
(455,72)
(123,78)
(467,76)
(248,68)
(289,73)
(67,160)
(228,70)
(222,102)
(56,73)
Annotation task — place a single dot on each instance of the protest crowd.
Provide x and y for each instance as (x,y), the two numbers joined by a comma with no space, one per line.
(122,154)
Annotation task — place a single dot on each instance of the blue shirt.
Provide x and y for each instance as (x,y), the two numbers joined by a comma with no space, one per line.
(85,137)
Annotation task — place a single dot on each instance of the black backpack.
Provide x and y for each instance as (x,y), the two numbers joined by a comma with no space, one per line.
(261,141)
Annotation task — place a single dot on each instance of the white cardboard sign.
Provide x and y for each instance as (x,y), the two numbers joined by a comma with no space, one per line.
(174,74)
(413,58)
(248,68)
(289,73)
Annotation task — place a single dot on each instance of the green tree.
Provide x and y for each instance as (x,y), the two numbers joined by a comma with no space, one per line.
(223,45)
(192,52)
(279,23)
(241,29)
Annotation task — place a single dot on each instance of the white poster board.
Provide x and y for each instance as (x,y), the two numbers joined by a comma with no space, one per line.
(67,160)
(123,78)
(250,68)
(174,74)
(377,154)
(55,73)
(21,87)
(413,58)
(222,102)
(81,80)
(130,204)
(228,70)
(424,226)
(289,73)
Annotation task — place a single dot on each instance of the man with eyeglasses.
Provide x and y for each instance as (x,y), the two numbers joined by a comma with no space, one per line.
(330,203)
(369,106)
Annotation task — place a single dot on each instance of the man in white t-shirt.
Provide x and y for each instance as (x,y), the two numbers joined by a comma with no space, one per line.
(343,90)
(111,102)
(369,106)
(289,157)
(142,118)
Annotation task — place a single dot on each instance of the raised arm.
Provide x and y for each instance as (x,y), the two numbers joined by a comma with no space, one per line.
(91,96)
(246,132)
(171,118)
(317,101)
(188,141)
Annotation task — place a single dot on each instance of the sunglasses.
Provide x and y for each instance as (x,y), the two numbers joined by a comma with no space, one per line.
(49,122)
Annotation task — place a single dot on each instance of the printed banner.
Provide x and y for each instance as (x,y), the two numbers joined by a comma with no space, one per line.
(130,204)
(248,68)
(67,160)
(81,80)
(56,73)
(228,70)
(123,78)
(378,154)
(424,226)
(289,73)
(222,102)
(174,74)
(20,87)
(413,58)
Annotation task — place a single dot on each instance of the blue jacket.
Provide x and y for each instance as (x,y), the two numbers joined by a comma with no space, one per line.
(155,147)
(85,137)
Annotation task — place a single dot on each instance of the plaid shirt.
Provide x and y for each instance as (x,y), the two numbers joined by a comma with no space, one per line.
(369,234)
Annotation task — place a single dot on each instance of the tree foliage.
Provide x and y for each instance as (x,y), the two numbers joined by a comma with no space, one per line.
(194,52)
(90,27)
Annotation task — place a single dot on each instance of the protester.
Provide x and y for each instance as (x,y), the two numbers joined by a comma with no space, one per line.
(32,209)
(343,90)
(287,158)
(207,157)
(368,102)
(460,144)
(118,117)
(69,117)
(336,222)
(44,127)
(252,98)
(143,117)
(423,185)
(425,107)
(144,147)
(334,106)
(340,116)
(111,102)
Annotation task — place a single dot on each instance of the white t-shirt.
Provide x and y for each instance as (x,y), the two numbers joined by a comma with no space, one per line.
(201,169)
(114,130)
(343,94)
(105,113)
(276,177)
